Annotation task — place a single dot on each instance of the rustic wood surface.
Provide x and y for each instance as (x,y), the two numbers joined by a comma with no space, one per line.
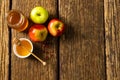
(4,41)
(112,36)
(32,69)
(82,54)
(88,50)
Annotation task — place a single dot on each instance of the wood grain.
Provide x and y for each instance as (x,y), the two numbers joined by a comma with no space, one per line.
(30,68)
(82,55)
(88,50)
(4,41)
(112,37)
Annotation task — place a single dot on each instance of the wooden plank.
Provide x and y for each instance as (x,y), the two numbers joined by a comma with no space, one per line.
(4,41)
(112,37)
(82,46)
(30,68)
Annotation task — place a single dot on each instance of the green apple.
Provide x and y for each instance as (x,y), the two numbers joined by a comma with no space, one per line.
(39,15)
(38,33)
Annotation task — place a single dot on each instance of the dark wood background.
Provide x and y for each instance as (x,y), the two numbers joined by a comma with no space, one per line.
(88,50)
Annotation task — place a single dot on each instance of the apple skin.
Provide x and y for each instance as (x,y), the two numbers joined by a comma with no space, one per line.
(39,15)
(38,32)
(56,27)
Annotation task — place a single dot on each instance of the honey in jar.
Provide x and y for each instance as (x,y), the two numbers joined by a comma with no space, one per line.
(16,20)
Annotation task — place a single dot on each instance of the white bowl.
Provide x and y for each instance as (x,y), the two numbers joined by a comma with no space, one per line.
(15,52)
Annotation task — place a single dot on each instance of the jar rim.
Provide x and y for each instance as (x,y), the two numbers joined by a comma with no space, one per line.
(20,22)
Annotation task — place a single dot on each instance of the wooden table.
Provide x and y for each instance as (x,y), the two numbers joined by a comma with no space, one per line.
(88,50)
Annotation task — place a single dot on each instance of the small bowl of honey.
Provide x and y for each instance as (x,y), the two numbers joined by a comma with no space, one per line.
(24,49)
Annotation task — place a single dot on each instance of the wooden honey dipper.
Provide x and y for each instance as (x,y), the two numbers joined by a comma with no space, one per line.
(18,42)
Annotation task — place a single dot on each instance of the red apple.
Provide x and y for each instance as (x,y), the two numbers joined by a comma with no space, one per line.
(56,27)
(38,32)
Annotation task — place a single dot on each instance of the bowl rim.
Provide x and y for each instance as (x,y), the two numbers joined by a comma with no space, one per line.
(15,51)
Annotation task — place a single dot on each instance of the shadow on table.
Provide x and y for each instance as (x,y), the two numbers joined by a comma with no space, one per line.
(69,32)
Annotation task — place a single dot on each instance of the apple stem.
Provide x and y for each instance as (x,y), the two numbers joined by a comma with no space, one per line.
(38,14)
(57,26)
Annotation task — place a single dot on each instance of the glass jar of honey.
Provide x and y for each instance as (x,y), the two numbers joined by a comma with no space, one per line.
(16,20)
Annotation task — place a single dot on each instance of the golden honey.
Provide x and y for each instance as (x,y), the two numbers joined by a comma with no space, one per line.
(23,49)
(16,20)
